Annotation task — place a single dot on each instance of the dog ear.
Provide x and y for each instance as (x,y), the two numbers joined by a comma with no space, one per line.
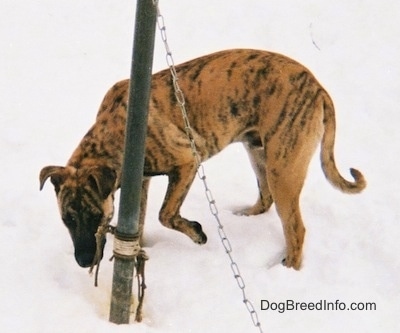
(57,174)
(102,179)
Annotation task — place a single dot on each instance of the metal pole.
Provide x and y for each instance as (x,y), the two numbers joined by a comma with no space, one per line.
(132,170)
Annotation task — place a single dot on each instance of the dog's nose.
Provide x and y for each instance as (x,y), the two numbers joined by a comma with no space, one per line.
(84,259)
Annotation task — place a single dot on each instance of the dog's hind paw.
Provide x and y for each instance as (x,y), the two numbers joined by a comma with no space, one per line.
(276,260)
(293,263)
(252,210)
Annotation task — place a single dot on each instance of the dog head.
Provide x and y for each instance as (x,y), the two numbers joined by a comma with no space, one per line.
(86,200)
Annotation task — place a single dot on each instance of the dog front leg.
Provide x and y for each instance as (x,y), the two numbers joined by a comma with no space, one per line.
(180,180)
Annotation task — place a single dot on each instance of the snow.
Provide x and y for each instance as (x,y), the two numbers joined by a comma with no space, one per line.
(58,58)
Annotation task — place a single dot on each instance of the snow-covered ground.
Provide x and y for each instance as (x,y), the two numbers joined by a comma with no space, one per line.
(57,60)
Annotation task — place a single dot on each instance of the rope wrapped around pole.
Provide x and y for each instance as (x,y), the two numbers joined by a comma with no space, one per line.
(126,246)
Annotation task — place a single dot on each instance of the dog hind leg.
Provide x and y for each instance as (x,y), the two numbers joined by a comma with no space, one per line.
(258,162)
(286,188)
(286,175)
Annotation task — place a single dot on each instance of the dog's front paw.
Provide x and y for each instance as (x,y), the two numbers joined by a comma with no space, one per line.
(192,229)
(197,234)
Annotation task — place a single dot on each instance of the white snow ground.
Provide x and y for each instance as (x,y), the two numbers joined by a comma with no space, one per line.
(57,60)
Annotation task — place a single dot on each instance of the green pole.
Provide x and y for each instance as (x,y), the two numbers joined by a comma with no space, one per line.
(132,170)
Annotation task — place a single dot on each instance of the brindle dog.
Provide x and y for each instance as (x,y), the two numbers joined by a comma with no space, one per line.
(270,103)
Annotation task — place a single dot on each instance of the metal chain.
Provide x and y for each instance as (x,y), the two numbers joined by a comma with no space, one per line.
(201,174)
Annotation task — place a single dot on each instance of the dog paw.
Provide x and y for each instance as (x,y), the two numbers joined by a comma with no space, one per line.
(276,260)
(198,236)
(192,229)
(292,263)
(249,211)
(282,258)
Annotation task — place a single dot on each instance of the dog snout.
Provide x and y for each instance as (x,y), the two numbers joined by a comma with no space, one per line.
(85,254)
(84,259)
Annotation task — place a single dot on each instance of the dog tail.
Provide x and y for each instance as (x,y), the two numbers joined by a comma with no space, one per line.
(327,155)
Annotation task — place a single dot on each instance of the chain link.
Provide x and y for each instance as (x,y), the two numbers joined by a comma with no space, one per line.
(180,97)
